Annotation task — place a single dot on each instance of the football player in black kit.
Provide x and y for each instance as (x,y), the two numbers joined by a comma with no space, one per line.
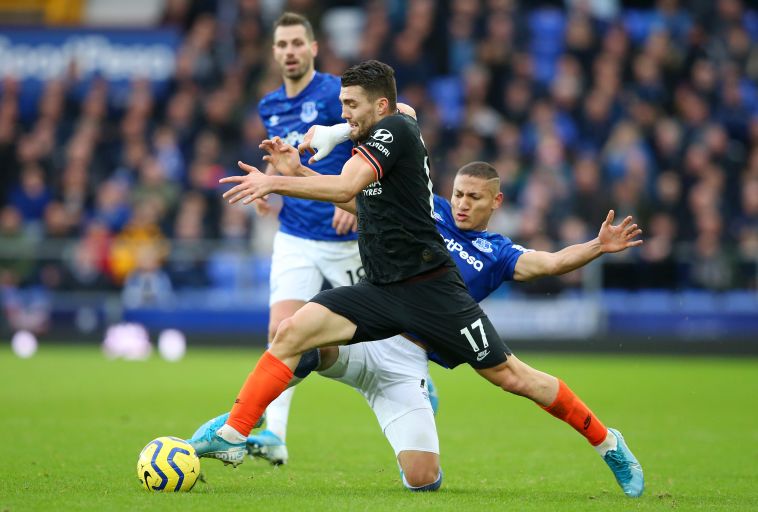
(411,285)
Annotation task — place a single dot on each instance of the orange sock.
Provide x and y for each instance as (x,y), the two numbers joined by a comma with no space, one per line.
(569,408)
(266,382)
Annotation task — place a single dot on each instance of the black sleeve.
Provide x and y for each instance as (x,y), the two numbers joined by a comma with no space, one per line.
(386,143)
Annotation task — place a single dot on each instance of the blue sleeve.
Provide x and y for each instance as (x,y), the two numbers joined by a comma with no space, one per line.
(509,255)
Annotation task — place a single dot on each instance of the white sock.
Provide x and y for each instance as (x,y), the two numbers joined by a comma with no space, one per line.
(610,443)
(231,435)
(278,413)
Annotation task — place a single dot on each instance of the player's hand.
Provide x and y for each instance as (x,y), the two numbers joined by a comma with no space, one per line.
(254,185)
(321,140)
(344,222)
(620,237)
(262,207)
(283,158)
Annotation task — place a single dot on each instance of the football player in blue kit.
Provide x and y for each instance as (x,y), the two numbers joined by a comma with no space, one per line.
(412,283)
(315,240)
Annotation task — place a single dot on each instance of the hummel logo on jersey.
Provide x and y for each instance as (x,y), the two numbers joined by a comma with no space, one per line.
(455,247)
(483,245)
(481,355)
(274,120)
(383,135)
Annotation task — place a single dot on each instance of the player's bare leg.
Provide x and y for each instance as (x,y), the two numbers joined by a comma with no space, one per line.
(421,470)
(311,327)
(555,397)
(270,444)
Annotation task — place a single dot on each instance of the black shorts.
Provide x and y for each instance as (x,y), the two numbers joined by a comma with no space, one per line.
(435,308)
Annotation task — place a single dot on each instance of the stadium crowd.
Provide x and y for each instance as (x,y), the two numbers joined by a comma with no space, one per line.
(581,107)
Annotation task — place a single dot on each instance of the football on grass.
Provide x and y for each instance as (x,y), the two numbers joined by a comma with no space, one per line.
(168,464)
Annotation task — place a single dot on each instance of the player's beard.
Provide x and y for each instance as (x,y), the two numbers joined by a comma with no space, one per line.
(363,131)
(298,73)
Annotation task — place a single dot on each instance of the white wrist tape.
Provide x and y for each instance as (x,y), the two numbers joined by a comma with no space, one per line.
(325,138)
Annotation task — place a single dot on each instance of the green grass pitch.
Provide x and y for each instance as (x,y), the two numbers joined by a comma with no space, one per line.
(73,424)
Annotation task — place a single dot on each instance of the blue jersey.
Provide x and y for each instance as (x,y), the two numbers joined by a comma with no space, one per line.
(290,118)
(484,259)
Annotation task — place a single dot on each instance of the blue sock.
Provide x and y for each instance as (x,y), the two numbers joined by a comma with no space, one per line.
(309,361)
(424,488)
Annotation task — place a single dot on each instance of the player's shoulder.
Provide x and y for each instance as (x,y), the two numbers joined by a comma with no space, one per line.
(394,128)
(327,80)
(441,208)
(490,242)
(398,120)
(270,98)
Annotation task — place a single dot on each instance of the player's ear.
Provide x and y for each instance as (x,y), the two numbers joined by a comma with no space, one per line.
(497,202)
(382,106)
(314,48)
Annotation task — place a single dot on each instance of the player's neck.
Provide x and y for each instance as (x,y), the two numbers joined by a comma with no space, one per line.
(294,87)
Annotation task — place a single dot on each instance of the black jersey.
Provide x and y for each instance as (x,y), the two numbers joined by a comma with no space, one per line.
(397,234)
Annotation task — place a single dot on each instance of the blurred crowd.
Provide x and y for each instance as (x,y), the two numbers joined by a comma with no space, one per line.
(582,107)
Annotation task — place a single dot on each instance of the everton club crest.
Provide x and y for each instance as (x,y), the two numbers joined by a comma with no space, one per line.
(309,113)
(483,245)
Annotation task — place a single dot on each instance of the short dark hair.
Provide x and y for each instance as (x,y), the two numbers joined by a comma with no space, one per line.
(479,170)
(289,19)
(376,78)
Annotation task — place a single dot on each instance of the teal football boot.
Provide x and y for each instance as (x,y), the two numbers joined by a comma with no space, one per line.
(268,446)
(208,444)
(626,469)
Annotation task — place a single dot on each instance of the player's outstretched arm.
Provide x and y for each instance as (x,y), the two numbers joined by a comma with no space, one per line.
(356,175)
(533,265)
(286,160)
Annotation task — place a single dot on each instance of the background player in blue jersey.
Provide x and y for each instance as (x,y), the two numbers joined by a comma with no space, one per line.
(315,241)
(388,373)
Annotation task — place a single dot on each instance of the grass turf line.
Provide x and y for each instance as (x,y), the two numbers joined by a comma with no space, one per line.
(74,424)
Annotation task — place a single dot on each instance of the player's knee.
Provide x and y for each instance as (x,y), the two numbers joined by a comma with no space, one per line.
(419,471)
(417,477)
(513,382)
(273,326)
(286,338)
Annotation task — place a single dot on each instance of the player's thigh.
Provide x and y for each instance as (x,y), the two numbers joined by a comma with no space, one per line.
(280,310)
(295,275)
(442,314)
(391,374)
(340,263)
(414,431)
(312,326)
(372,309)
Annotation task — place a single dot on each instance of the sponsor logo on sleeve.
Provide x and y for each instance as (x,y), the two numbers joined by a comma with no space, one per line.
(521,248)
